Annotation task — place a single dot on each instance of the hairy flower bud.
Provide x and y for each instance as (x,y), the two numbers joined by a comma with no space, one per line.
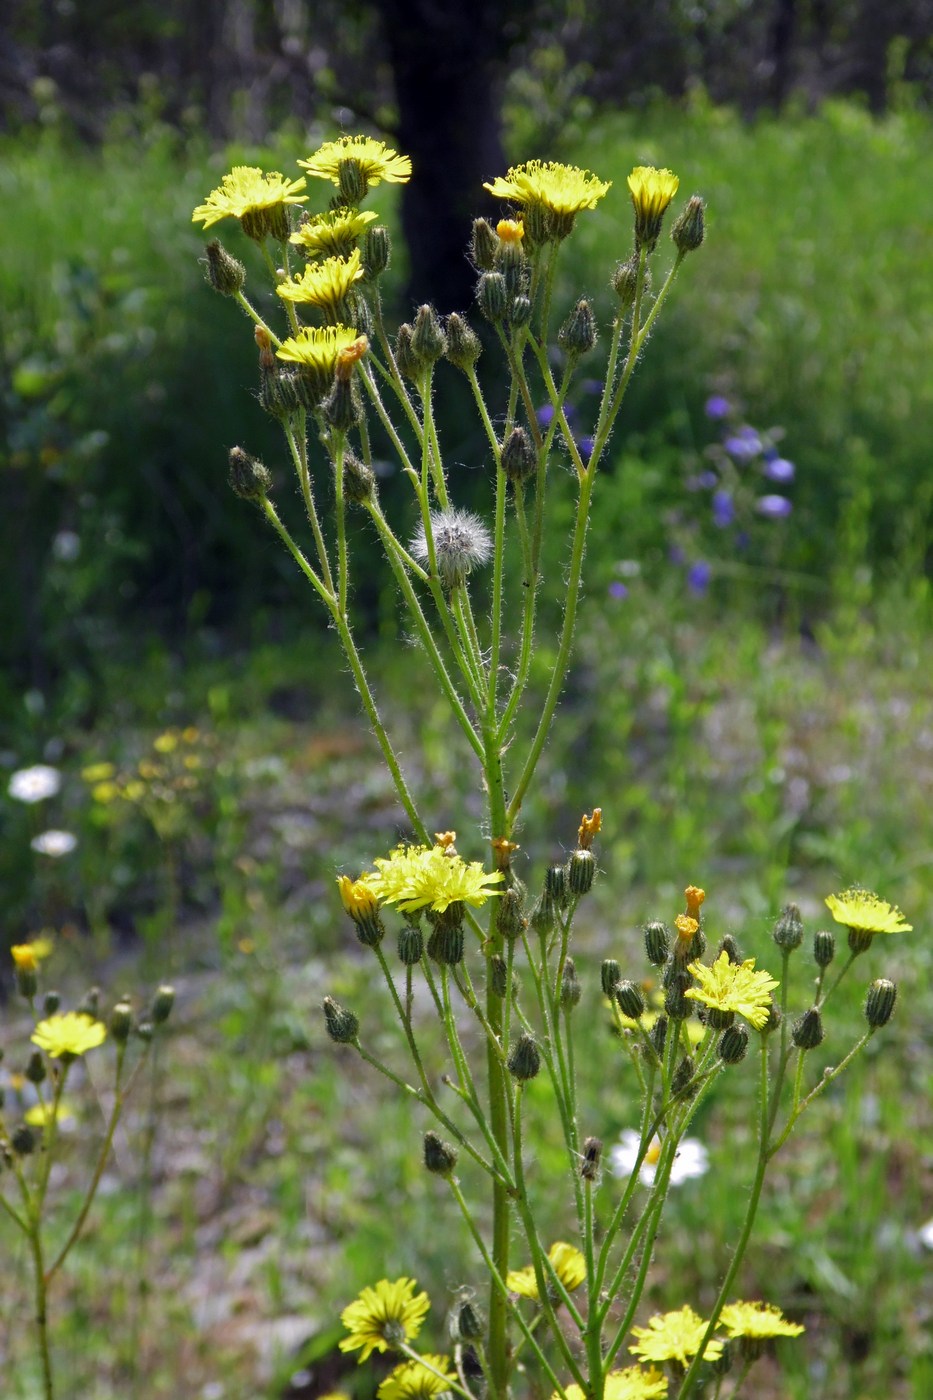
(428,341)
(484,245)
(689,227)
(555,885)
(440,1157)
(807,1030)
(610,975)
(510,912)
(683,1077)
(499,975)
(121,1022)
(410,945)
(631,999)
(51,1002)
(375,253)
(657,942)
(467,1323)
(519,313)
(492,295)
(570,989)
(625,283)
(342,1025)
(880,1001)
(581,871)
(342,408)
(518,456)
(359,480)
(524,1060)
(408,362)
(223,271)
(578,334)
(248,477)
(445,945)
(788,928)
(35,1069)
(463,344)
(824,947)
(23,1140)
(592,1154)
(733,1044)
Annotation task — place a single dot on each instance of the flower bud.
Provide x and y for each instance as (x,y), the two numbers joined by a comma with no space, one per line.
(657,942)
(728,945)
(121,1022)
(484,245)
(625,282)
(342,1025)
(468,1323)
(581,871)
(145,1030)
(879,1003)
(570,989)
(27,982)
(610,975)
(733,1044)
(824,947)
(375,253)
(440,1157)
(676,1005)
(592,1153)
(555,884)
(162,1004)
(408,363)
(23,1140)
(775,1017)
(543,915)
(342,408)
(248,477)
(524,1060)
(807,1031)
(683,1075)
(499,975)
(51,1002)
(578,334)
(410,945)
(89,1004)
(359,480)
(519,313)
(690,225)
(445,945)
(463,344)
(510,915)
(428,341)
(518,457)
(788,928)
(224,273)
(35,1070)
(659,1034)
(493,297)
(631,999)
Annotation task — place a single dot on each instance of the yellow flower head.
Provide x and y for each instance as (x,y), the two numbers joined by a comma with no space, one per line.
(68,1033)
(353,163)
(324,284)
(511,231)
(420,877)
(316,351)
(332,235)
(864,912)
(652,191)
(418,1380)
(694,897)
(383,1316)
(734,987)
(686,926)
(550,196)
(27,956)
(568,1263)
(356,897)
(757,1320)
(631,1384)
(674,1336)
(257,200)
(42,1115)
(97,772)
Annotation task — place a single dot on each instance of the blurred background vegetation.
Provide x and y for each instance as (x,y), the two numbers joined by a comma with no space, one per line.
(750,701)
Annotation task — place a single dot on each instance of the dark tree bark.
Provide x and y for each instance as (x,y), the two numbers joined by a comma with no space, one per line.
(447,60)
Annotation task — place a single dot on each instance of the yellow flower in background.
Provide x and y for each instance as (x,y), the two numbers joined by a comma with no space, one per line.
(257,200)
(105,792)
(68,1033)
(332,235)
(674,1336)
(167,742)
(757,1320)
(357,897)
(418,1380)
(865,912)
(652,191)
(374,160)
(41,1115)
(324,284)
(630,1384)
(27,956)
(734,987)
(98,772)
(383,1316)
(419,877)
(569,1266)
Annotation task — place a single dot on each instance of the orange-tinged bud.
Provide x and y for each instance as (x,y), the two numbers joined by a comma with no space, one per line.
(694,897)
(686,926)
(589,827)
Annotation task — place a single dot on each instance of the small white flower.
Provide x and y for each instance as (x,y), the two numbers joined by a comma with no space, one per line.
(692,1158)
(35,784)
(925,1235)
(54,843)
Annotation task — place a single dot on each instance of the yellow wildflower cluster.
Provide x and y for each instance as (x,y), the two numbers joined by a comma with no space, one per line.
(430,877)
(382,1316)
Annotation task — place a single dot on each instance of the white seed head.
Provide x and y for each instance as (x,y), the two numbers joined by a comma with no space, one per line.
(461,544)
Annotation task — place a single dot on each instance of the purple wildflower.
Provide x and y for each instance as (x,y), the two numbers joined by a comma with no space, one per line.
(592,386)
(545,414)
(676,554)
(779,469)
(723,509)
(617,589)
(775,507)
(698,577)
(744,444)
(585,446)
(717,407)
